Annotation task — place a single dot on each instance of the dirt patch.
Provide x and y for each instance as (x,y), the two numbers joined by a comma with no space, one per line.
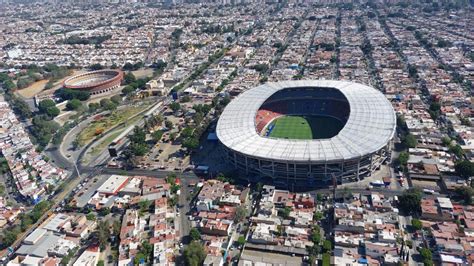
(143,73)
(33,89)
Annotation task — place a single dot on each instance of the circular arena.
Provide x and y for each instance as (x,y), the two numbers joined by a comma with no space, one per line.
(95,82)
(306,134)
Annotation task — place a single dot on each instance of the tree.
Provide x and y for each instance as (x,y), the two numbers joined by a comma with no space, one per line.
(191,143)
(69,94)
(285,212)
(194,234)
(410,141)
(194,254)
(187,132)
(146,249)
(107,104)
(129,78)
(327,246)
(241,240)
(240,214)
(138,136)
(127,90)
(73,104)
(139,259)
(427,256)
(100,263)
(144,206)
(93,107)
(175,106)
(318,216)
(456,150)
(53,111)
(116,99)
(198,117)
(410,201)
(138,149)
(417,224)
(9,237)
(466,193)
(104,233)
(316,235)
(90,217)
(96,66)
(326,259)
(169,124)
(156,136)
(403,158)
(185,99)
(464,168)
(45,104)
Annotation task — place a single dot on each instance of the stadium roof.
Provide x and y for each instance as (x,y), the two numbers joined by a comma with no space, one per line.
(370,126)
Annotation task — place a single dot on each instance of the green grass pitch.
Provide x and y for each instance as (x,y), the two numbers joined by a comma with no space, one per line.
(305,127)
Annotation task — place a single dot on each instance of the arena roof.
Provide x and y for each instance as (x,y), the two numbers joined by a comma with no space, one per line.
(370,126)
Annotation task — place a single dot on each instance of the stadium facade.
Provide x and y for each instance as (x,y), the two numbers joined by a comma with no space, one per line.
(356,151)
(95,82)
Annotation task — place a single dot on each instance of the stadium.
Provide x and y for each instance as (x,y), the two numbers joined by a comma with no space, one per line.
(95,82)
(306,134)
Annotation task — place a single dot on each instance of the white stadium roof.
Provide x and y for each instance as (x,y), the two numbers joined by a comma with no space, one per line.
(370,126)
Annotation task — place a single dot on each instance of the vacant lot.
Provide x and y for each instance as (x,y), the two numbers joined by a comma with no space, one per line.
(33,89)
(143,73)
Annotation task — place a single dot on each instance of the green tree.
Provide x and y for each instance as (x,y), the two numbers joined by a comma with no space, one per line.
(285,212)
(191,143)
(45,104)
(127,90)
(410,141)
(90,217)
(146,249)
(194,254)
(73,104)
(194,234)
(107,104)
(138,149)
(156,136)
(175,106)
(464,168)
(169,124)
(240,214)
(417,224)
(9,237)
(100,263)
(116,99)
(327,246)
(410,201)
(144,206)
(427,256)
(94,107)
(318,216)
(403,158)
(104,233)
(241,240)
(326,259)
(129,78)
(466,193)
(138,135)
(456,150)
(139,258)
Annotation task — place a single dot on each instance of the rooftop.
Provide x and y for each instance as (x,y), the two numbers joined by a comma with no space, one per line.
(371,124)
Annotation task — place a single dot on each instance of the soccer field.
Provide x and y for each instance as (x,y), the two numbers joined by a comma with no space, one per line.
(305,127)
